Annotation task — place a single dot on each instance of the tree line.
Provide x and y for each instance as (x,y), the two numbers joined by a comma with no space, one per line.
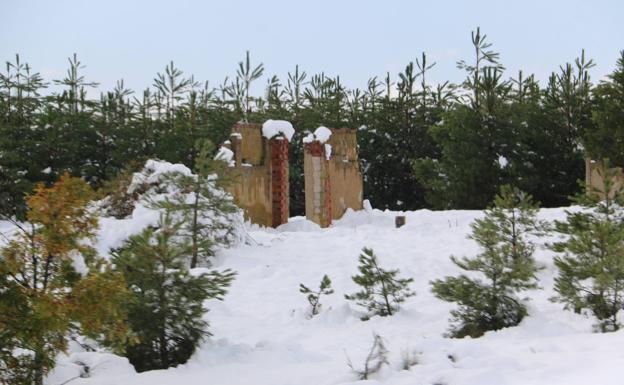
(421,145)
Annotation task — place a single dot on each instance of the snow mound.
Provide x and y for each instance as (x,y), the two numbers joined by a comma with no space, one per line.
(263,333)
(321,134)
(298,224)
(272,128)
(226,155)
(154,183)
(154,173)
(90,366)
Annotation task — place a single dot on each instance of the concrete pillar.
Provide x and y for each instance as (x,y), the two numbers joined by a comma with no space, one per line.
(317,184)
(236,147)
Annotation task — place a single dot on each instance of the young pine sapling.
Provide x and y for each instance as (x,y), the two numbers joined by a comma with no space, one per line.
(591,260)
(315,296)
(505,265)
(382,292)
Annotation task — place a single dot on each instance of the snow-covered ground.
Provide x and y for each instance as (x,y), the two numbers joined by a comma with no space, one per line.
(263,335)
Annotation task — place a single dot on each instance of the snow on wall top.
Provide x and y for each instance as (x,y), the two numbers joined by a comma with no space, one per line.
(226,155)
(322,134)
(271,128)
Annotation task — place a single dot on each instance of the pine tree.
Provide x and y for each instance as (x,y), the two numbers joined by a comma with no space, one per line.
(567,103)
(382,292)
(314,297)
(166,309)
(591,267)
(469,136)
(19,164)
(506,266)
(245,75)
(419,146)
(605,139)
(46,297)
(205,209)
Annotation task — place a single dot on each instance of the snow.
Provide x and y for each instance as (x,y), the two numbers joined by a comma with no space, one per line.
(78,263)
(299,224)
(156,171)
(263,334)
(321,134)
(226,155)
(328,151)
(272,128)
(103,366)
(502,161)
(154,183)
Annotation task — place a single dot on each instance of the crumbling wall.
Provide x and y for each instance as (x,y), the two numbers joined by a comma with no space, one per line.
(344,172)
(318,199)
(259,158)
(260,173)
(594,177)
(333,181)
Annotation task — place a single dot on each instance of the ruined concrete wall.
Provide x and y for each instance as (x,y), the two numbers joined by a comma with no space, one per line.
(345,177)
(260,174)
(251,146)
(317,188)
(594,177)
(333,181)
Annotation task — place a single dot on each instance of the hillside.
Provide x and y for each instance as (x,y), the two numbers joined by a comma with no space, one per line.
(263,336)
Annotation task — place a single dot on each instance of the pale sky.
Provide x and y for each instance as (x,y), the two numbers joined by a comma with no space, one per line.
(354,39)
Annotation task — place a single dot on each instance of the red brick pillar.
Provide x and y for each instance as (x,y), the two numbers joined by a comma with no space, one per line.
(279,180)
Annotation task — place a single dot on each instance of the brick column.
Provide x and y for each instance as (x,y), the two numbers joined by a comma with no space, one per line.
(279,180)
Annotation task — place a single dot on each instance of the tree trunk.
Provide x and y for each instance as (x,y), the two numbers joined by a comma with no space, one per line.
(194,229)
(38,367)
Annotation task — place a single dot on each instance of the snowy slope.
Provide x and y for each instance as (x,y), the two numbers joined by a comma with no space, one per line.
(262,335)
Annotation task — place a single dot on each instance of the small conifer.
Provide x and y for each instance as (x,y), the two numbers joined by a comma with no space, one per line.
(315,296)
(506,266)
(166,310)
(591,264)
(382,292)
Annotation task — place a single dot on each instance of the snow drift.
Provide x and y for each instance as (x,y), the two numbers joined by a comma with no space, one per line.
(263,333)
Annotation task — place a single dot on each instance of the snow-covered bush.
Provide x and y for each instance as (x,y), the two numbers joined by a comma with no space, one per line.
(210,219)
(119,201)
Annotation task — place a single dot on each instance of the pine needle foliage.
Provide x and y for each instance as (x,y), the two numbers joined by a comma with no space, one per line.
(166,309)
(505,266)
(314,297)
(44,298)
(591,260)
(382,291)
(204,209)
